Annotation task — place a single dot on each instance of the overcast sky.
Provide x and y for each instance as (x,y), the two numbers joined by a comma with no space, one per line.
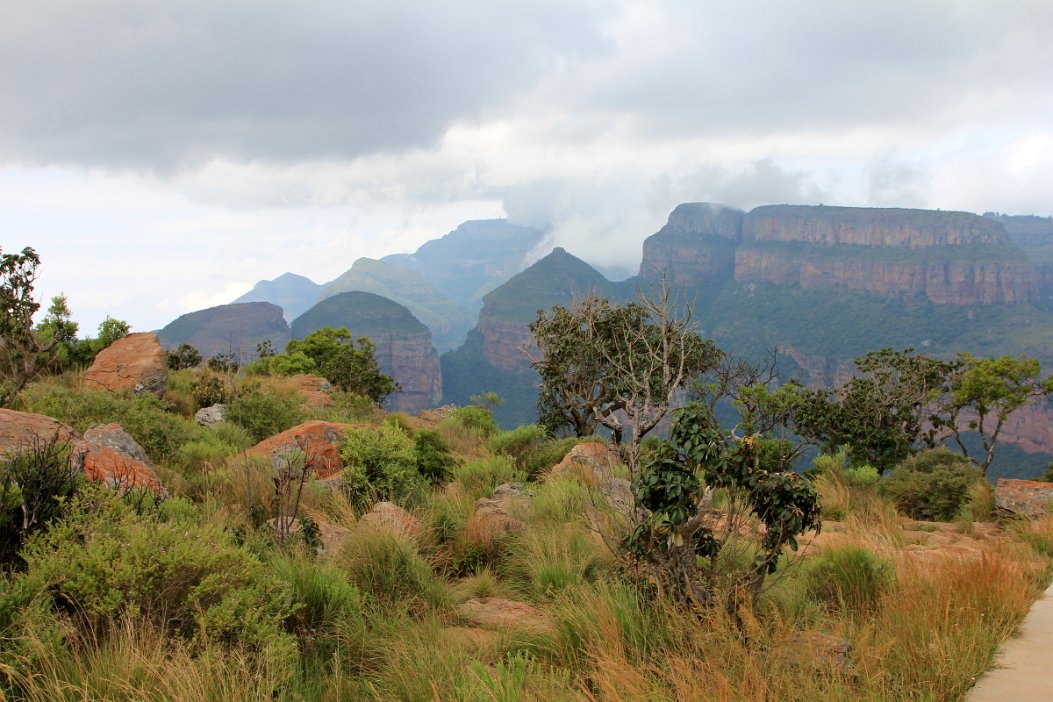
(164,155)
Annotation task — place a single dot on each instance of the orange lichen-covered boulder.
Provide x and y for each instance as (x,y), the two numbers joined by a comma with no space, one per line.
(134,364)
(318,440)
(20,431)
(592,462)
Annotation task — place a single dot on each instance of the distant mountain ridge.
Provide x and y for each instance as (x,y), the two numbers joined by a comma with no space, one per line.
(234,328)
(293,293)
(447,321)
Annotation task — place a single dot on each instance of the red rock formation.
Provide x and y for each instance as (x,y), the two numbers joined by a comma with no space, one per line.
(414,364)
(319,440)
(697,242)
(20,430)
(134,364)
(954,283)
(1024,498)
(504,342)
(867,226)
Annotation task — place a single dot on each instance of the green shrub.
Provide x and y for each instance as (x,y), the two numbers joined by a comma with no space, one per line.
(548,453)
(105,562)
(265,411)
(850,579)
(931,485)
(327,610)
(474,419)
(380,464)
(517,442)
(434,461)
(210,390)
(479,478)
(862,476)
(186,356)
(34,482)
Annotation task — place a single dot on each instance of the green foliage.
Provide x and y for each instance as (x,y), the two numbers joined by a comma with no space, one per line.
(24,354)
(673,540)
(327,610)
(289,364)
(474,419)
(932,485)
(347,363)
(380,464)
(850,579)
(210,390)
(35,481)
(881,413)
(183,357)
(434,461)
(104,562)
(517,443)
(989,390)
(593,353)
(265,411)
(225,362)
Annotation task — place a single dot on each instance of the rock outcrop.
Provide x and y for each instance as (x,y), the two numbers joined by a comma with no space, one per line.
(403,345)
(387,516)
(236,328)
(952,258)
(134,364)
(1024,498)
(317,441)
(315,389)
(119,461)
(698,242)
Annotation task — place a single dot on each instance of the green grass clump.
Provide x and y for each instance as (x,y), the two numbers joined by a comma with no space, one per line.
(389,568)
(479,478)
(850,579)
(381,464)
(265,411)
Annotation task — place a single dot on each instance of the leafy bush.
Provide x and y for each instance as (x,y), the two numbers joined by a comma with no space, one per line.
(931,485)
(349,408)
(380,464)
(210,390)
(265,411)
(862,476)
(326,607)
(105,562)
(473,419)
(851,579)
(434,461)
(34,482)
(185,356)
(517,442)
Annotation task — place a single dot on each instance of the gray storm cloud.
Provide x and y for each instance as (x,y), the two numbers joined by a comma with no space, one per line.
(155,85)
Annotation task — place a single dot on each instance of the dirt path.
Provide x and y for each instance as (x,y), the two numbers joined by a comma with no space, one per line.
(1024,666)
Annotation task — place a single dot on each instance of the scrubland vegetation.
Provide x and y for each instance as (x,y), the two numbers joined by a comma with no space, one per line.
(450,560)
(128,597)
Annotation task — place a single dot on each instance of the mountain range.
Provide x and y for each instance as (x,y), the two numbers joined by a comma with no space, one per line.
(823,284)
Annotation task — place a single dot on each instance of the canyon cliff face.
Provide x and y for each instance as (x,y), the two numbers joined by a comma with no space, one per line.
(697,242)
(944,283)
(950,258)
(506,344)
(403,345)
(869,226)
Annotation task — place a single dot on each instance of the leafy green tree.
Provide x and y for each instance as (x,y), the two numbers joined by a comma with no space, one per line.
(617,365)
(701,553)
(893,403)
(347,363)
(184,356)
(111,330)
(983,393)
(23,353)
